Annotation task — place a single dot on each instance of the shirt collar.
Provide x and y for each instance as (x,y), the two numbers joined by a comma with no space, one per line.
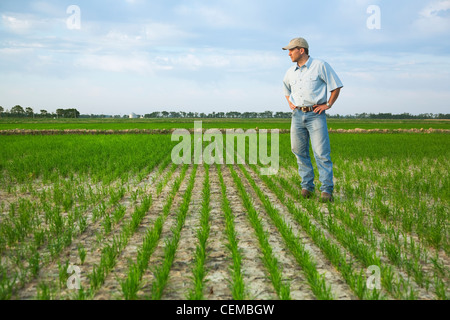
(307,64)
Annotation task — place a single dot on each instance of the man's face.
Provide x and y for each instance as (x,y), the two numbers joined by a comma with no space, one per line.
(296,54)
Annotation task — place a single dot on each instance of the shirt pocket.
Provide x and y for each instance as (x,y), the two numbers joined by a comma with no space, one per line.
(313,81)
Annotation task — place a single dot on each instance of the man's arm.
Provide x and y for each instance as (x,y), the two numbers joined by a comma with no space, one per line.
(323,107)
(291,105)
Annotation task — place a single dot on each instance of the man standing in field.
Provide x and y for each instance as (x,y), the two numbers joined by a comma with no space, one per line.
(305,88)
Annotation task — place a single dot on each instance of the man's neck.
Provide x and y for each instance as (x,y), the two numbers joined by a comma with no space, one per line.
(302,61)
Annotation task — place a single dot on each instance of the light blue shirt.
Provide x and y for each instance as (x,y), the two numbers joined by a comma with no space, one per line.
(307,85)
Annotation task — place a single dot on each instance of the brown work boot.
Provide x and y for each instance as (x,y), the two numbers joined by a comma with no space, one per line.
(326,197)
(306,194)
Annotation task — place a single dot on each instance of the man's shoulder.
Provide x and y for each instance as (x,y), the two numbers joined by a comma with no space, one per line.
(318,62)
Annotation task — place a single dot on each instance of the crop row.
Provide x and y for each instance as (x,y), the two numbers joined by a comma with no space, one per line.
(129,230)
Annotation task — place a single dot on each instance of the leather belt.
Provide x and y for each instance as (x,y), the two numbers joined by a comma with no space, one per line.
(305,109)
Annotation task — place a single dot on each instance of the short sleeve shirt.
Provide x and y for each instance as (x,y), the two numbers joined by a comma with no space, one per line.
(309,84)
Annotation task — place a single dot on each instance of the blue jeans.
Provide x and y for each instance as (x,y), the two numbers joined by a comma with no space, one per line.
(312,126)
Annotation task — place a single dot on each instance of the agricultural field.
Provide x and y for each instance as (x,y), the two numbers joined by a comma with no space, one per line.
(166,123)
(112,217)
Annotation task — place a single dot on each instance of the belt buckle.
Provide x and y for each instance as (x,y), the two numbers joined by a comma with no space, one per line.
(305,109)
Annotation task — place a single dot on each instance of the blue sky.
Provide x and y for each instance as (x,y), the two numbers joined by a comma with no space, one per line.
(220,55)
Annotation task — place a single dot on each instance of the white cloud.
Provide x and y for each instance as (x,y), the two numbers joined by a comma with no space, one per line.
(164,33)
(115,63)
(435,8)
(214,17)
(434,18)
(16,24)
(29,24)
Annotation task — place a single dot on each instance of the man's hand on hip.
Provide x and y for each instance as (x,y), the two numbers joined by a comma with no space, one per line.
(319,108)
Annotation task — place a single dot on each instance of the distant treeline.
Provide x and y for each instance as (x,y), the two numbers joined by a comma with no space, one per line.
(19,112)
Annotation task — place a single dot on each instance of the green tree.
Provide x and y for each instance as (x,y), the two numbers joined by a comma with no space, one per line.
(44,113)
(29,112)
(17,110)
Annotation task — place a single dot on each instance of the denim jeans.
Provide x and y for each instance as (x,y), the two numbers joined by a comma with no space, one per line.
(312,126)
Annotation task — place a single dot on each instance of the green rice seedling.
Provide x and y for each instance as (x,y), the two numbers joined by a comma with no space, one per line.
(440,289)
(118,213)
(106,223)
(96,277)
(162,272)
(387,278)
(81,253)
(6,284)
(360,285)
(134,195)
(166,178)
(268,258)
(140,212)
(39,238)
(68,201)
(131,285)
(44,292)
(82,223)
(332,251)
(116,194)
(199,271)
(375,295)
(80,294)
(33,262)
(297,248)
(237,282)
(439,267)
(63,275)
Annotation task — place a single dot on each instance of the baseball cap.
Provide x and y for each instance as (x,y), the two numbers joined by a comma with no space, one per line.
(297,42)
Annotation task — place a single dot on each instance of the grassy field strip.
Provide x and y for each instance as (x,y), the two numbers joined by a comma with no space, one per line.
(416,201)
(309,284)
(68,229)
(25,214)
(377,221)
(350,269)
(140,244)
(367,254)
(224,278)
(316,265)
(102,265)
(180,276)
(199,271)
(256,282)
(269,259)
(86,125)
(67,196)
(95,231)
(389,251)
(304,255)
(132,279)
(401,249)
(162,271)
(403,197)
